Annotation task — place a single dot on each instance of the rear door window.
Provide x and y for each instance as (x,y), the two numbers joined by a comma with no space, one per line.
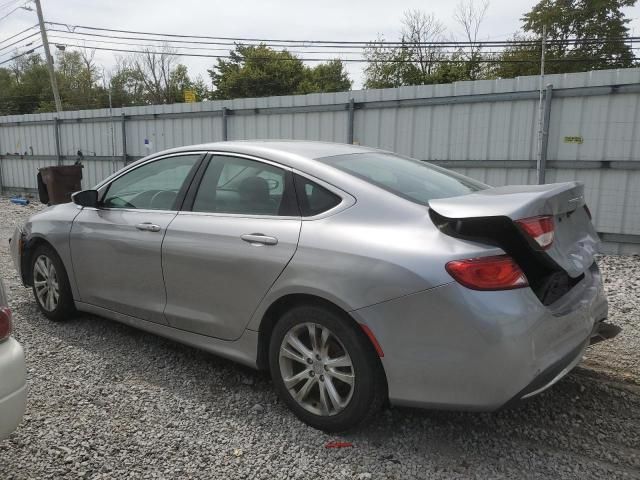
(244,186)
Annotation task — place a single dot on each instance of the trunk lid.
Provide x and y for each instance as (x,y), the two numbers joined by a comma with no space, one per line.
(575,239)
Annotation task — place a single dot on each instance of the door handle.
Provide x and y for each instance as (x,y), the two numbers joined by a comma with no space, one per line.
(259,238)
(148,227)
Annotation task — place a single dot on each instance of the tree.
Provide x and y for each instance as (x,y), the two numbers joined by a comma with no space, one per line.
(155,70)
(146,78)
(325,77)
(470,17)
(7,90)
(201,88)
(30,88)
(260,71)
(583,35)
(256,71)
(78,78)
(418,30)
(419,59)
(127,87)
(389,67)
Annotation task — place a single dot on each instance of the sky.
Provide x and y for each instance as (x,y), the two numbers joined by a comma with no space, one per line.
(353,20)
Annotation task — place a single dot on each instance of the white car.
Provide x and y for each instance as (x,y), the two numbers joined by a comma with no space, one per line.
(13,386)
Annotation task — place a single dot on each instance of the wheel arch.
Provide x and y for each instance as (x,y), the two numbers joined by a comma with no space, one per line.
(286,302)
(30,247)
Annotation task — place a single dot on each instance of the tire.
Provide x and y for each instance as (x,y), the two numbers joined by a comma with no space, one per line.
(355,403)
(45,258)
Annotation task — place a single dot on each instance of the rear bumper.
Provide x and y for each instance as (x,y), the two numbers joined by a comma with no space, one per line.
(451,347)
(13,389)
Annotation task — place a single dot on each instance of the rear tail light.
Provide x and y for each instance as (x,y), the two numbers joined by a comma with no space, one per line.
(5,323)
(541,229)
(498,272)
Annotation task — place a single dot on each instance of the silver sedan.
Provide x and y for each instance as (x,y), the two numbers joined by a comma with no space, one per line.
(356,276)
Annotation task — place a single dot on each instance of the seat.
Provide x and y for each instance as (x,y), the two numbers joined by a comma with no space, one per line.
(255,197)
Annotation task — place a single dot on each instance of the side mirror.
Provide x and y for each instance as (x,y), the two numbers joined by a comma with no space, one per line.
(86,198)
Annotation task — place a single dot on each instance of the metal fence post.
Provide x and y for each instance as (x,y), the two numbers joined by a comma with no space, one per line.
(56,132)
(124,140)
(225,114)
(350,121)
(544,143)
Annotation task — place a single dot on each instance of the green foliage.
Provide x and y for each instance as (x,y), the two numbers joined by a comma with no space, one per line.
(418,60)
(256,71)
(127,88)
(396,67)
(325,77)
(78,78)
(25,86)
(583,20)
(260,71)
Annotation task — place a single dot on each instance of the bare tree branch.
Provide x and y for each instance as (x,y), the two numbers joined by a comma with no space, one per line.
(470,16)
(419,28)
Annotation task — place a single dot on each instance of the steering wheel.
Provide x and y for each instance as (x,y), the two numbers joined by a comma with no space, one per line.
(161,198)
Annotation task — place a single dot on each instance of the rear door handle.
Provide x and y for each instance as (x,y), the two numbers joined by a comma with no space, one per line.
(259,238)
(148,227)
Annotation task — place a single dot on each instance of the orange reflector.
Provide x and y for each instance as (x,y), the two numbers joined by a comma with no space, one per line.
(373,339)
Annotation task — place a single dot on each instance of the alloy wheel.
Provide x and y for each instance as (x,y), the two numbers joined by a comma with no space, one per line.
(316,369)
(45,281)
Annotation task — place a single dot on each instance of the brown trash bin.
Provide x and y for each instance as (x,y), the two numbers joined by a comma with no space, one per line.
(56,184)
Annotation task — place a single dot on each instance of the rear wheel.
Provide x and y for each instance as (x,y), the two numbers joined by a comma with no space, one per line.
(51,287)
(325,369)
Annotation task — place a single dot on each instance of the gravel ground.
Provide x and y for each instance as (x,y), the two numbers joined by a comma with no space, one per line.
(108,401)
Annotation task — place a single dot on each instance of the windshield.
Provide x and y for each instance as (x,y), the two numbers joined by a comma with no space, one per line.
(411,179)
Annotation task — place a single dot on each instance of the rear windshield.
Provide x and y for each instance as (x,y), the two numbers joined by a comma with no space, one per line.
(411,179)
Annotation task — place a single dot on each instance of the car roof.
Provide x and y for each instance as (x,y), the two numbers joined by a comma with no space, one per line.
(300,155)
(294,153)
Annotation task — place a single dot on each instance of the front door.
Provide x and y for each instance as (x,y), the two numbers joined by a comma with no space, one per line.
(221,257)
(116,248)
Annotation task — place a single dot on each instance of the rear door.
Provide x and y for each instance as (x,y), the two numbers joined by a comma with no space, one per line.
(220,256)
(116,248)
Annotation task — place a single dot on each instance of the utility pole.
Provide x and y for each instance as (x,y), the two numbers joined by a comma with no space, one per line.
(113,137)
(47,52)
(539,162)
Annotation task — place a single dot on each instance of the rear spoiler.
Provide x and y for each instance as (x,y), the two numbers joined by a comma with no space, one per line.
(513,201)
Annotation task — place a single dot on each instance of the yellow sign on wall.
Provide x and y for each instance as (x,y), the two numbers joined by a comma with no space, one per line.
(189,96)
(578,140)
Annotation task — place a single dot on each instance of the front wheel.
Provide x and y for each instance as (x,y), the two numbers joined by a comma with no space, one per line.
(325,369)
(51,285)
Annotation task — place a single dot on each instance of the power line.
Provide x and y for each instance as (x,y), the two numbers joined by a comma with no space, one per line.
(19,41)
(19,33)
(11,12)
(20,55)
(350,60)
(333,43)
(7,4)
(60,39)
(53,37)
(194,42)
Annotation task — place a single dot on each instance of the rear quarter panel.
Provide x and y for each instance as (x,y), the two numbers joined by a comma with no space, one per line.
(379,249)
